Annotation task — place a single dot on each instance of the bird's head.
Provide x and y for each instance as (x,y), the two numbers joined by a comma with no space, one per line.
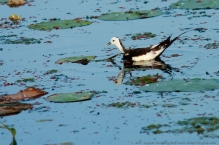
(117,42)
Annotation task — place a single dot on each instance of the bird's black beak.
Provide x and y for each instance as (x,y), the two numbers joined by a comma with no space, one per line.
(107,44)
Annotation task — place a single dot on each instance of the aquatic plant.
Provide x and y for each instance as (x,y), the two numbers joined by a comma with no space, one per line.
(69,97)
(196,4)
(129,15)
(59,24)
(190,85)
(16,3)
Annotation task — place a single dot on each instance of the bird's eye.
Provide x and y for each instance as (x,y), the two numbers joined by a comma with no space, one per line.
(113,40)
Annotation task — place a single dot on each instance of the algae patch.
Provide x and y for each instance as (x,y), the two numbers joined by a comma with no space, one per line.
(26,80)
(140,81)
(203,126)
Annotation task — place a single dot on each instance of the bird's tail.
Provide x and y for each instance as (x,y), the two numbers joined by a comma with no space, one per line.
(177,37)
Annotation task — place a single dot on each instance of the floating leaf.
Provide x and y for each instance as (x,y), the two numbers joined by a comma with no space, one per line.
(149,13)
(14,18)
(182,85)
(76,59)
(69,97)
(59,24)
(13,108)
(129,15)
(196,4)
(29,93)
(119,16)
(16,3)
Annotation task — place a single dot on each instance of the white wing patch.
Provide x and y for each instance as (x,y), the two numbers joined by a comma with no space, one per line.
(148,56)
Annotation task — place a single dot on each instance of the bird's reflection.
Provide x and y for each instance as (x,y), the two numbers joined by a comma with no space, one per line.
(140,65)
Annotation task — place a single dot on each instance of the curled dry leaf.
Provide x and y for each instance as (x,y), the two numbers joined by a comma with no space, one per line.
(29,93)
(9,103)
(16,3)
(13,108)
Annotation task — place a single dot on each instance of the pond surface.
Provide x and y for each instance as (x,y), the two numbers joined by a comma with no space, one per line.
(94,121)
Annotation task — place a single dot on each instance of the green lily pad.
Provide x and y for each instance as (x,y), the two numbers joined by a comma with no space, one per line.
(194,4)
(129,15)
(191,85)
(69,97)
(59,24)
(119,16)
(149,13)
(76,59)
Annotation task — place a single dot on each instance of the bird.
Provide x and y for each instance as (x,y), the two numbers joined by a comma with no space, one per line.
(143,54)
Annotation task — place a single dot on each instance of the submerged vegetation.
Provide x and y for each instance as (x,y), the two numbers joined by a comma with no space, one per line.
(204,126)
(140,36)
(15,39)
(141,81)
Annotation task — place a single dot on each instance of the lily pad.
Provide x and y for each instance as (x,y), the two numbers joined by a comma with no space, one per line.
(29,93)
(191,85)
(76,59)
(13,108)
(59,24)
(129,15)
(16,3)
(196,4)
(119,16)
(149,13)
(69,97)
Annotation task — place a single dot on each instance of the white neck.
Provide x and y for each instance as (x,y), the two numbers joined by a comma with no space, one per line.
(120,46)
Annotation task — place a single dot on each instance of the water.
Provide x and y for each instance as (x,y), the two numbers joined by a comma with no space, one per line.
(79,122)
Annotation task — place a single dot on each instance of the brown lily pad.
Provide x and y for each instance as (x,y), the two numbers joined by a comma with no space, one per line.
(13,108)
(29,93)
